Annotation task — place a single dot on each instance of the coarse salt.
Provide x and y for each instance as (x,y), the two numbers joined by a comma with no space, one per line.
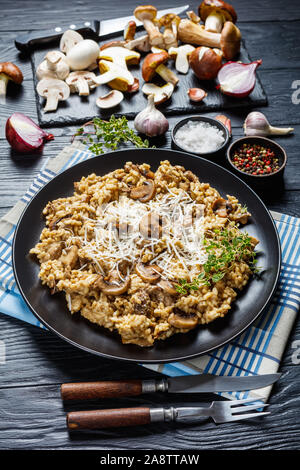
(199,137)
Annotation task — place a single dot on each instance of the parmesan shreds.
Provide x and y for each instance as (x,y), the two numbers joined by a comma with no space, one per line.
(116,234)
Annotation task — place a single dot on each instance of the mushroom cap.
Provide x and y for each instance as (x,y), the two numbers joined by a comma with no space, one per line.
(182,320)
(210,6)
(118,54)
(144,192)
(112,286)
(151,62)
(69,39)
(12,71)
(145,12)
(110,100)
(116,43)
(79,75)
(129,30)
(205,63)
(161,93)
(83,54)
(47,83)
(230,40)
(149,273)
(121,82)
(55,56)
(166,20)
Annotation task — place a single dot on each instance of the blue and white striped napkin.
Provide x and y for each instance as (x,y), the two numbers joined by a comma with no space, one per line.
(257,351)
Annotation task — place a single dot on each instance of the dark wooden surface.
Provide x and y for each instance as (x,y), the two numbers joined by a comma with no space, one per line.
(32,415)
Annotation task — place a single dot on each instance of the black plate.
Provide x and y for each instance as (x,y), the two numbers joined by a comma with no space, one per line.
(52,310)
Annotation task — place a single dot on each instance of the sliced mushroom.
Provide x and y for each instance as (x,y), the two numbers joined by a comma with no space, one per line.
(147,15)
(182,320)
(129,30)
(154,63)
(222,207)
(69,39)
(112,285)
(83,55)
(149,273)
(81,82)
(141,43)
(120,55)
(117,77)
(181,55)
(53,90)
(145,192)
(54,66)
(151,225)
(70,258)
(161,93)
(167,286)
(110,100)
(55,250)
(169,21)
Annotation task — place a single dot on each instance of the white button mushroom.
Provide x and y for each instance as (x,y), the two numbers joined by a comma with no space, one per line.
(69,39)
(54,66)
(83,55)
(110,100)
(81,82)
(53,90)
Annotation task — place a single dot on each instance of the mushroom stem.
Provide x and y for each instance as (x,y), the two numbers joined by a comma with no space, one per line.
(167,74)
(83,87)
(106,77)
(155,36)
(214,22)
(192,33)
(3,85)
(52,100)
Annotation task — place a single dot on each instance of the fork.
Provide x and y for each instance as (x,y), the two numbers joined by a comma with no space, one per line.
(219,411)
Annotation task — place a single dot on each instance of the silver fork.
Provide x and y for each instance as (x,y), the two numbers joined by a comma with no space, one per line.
(219,411)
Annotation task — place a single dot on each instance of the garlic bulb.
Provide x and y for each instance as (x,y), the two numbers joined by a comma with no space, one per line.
(257,124)
(151,121)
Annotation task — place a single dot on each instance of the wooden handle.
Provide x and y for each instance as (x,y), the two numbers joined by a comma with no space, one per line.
(107,389)
(97,419)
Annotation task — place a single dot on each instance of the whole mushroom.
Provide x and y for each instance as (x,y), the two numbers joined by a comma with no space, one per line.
(154,63)
(83,55)
(206,62)
(147,15)
(54,65)
(228,40)
(53,90)
(8,71)
(214,13)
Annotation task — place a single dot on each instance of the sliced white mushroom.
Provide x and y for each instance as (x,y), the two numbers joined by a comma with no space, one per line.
(69,39)
(54,66)
(83,55)
(181,54)
(116,76)
(110,100)
(81,82)
(120,56)
(53,90)
(161,93)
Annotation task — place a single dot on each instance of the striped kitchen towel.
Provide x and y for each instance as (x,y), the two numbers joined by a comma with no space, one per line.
(257,351)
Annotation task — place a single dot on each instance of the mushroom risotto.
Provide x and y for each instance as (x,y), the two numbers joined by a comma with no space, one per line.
(146,254)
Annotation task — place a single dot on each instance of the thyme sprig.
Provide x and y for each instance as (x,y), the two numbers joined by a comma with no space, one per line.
(110,135)
(225,247)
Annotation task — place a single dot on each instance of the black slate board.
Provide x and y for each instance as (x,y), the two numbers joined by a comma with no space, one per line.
(77,110)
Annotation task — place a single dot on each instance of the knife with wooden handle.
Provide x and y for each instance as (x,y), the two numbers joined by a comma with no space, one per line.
(183,384)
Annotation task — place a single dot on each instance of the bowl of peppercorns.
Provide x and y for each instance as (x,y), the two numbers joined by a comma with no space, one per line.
(257,160)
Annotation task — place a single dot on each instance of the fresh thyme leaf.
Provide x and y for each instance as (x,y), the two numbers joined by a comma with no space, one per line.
(108,135)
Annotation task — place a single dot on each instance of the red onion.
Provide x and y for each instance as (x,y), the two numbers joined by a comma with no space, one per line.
(23,134)
(237,79)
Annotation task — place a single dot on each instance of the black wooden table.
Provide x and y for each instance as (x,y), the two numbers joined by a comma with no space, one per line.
(32,415)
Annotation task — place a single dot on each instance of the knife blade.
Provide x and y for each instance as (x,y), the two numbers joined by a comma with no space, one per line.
(202,383)
(93,29)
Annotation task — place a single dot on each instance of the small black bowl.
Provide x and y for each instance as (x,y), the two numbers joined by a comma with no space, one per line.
(258,181)
(215,154)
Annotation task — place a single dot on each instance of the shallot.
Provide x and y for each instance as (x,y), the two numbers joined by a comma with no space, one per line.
(256,123)
(23,134)
(237,79)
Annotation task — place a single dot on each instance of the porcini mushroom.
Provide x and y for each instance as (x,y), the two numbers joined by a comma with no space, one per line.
(129,31)
(147,14)
(154,63)
(214,13)
(53,90)
(161,93)
(228,40)
(182,320)
(120,55)
(81,82)
(206,62)
(83,55)
(9,71)
(114,75)
(69,39)
(169,22)
(141,43)
(193,17)
(144,192)
(112,284)
(149,273)
(181,54)
(54,65)
(110,100)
